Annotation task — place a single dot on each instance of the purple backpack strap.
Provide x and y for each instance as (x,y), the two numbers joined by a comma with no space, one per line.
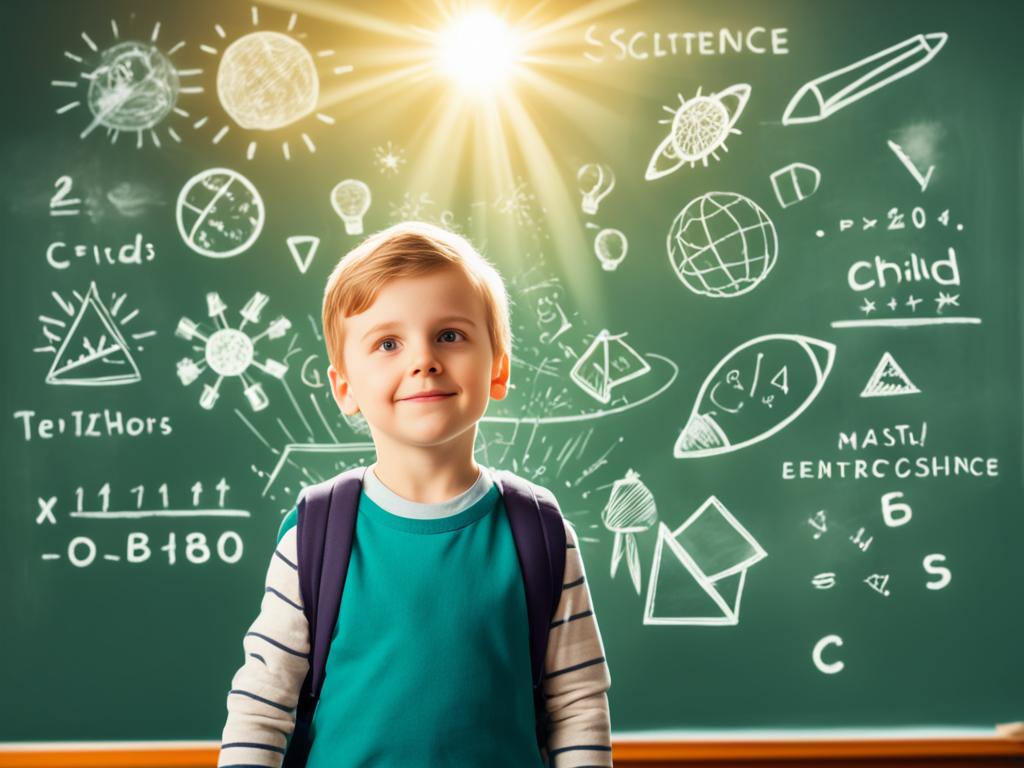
(539,533)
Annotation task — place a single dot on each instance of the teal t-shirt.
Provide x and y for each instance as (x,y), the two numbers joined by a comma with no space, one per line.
(429,664)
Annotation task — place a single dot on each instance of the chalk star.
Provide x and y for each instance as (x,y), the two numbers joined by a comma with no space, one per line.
(892,304)
(912,303)
(868,307)
(946,300)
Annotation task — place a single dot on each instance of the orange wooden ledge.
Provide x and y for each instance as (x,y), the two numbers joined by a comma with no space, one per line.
(630,752)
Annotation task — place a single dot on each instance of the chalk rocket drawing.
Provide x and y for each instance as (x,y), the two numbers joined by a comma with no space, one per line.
(700,127)
(753,392)
(607,363)
(631,509)
(700,568)
(93,351)
(888,380)
(829,93)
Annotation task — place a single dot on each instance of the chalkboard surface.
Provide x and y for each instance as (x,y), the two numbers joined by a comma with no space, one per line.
(765,264)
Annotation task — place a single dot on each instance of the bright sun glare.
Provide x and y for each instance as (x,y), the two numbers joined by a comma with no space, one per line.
(478,51)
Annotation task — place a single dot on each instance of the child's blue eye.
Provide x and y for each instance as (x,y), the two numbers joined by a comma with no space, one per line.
(443,333)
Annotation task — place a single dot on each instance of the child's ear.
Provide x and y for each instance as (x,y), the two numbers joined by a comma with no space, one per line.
(342,392)
(499,377)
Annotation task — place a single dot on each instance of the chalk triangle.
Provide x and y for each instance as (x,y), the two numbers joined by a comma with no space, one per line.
(888,380)
(303,249)
(94,352)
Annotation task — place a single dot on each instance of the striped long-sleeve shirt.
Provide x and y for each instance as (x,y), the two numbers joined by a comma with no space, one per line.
(264,691)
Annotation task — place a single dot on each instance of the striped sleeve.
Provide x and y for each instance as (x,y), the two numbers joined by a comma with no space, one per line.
(576,676)
(265,689)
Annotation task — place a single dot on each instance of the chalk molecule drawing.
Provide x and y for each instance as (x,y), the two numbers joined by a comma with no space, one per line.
(220,213)
(699,128)
(753,392)
(722,245)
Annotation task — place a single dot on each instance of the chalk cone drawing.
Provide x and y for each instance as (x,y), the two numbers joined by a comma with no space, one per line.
(230,352)
(93,351)
(700,568)
(826,95)
(795,183)
(722,245)
(220,213)
(595,181)
(753,392)
(888,380)
(303,249)
(607,363)
(699,128)
(268,81)
(630,510)
(132,86)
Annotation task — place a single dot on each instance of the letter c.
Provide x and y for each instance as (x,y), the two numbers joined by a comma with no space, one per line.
(829,668)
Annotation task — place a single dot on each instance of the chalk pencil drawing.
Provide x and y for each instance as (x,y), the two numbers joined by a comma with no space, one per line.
(825,95)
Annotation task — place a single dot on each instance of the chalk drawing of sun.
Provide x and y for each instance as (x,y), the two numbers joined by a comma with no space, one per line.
(130,86)
(268,81)
(700,127)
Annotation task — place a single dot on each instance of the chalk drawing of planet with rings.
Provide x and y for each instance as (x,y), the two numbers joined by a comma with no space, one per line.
(699,128)
(220,213)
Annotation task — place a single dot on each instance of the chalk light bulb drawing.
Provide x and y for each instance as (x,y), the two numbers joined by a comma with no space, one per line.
(231,352)
(611,247)
(595,181)
(700,127)
(479,51)
(351,200)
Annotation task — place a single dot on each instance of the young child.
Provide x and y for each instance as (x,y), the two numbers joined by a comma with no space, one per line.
(429,662)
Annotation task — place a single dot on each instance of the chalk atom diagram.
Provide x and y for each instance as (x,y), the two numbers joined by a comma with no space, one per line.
(231,352)
(699,128)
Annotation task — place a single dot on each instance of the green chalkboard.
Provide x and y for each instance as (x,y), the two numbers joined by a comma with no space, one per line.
(765,267)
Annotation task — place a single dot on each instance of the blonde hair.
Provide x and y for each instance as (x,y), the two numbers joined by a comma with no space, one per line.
(410,249)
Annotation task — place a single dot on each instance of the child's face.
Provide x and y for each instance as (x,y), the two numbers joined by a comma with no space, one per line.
(424,346)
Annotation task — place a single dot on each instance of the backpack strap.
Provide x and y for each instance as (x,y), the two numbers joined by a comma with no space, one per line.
(539,532)
(327,516)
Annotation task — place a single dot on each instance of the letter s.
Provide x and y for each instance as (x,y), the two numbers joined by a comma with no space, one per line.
(945,575)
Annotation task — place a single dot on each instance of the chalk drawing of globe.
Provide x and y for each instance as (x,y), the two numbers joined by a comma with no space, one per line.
(722,245)
(267,80)
(219,213)
(134,87)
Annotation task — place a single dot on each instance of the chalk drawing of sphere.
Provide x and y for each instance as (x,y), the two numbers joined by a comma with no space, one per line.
(722,245)
(220,213)
(229,352)
(134,87)
(267,80)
